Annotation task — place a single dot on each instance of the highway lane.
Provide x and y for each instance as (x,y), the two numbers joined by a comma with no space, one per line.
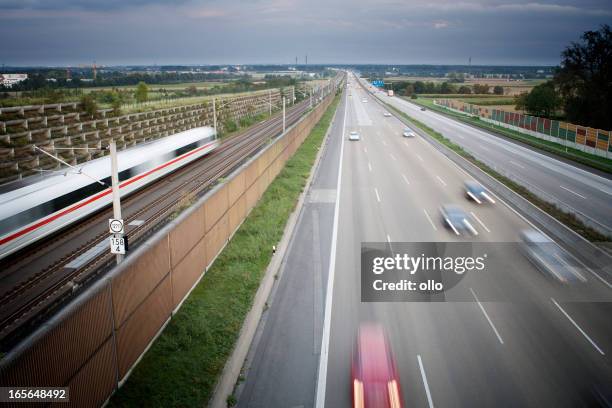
(577,190)
(542,350)
(281,366)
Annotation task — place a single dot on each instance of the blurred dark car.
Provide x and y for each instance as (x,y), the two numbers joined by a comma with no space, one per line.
(375,381)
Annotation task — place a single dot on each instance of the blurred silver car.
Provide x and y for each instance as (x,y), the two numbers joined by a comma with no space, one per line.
(456,219)
(408,132)
(549,257)
(387,115)
(354,136)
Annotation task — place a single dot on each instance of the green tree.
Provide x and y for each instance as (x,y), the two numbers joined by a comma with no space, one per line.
(141,94)
(116,102)
(464,89)
(447,88)
(89,105)
(419,87)
(584,79)
(409,90)
(498,90)
(192,90)
(481,88)
(543,100)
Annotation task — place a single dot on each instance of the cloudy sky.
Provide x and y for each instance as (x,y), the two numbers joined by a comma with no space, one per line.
(72,32)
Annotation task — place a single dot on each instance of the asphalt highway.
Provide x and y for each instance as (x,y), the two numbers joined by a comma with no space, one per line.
(574,189)
(513,338)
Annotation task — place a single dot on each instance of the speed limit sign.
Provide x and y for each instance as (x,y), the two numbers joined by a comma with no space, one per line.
(115,226)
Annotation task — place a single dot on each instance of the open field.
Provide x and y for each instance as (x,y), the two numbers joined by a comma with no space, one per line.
(492,101)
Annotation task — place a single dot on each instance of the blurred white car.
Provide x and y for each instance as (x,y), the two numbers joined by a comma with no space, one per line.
(408,132)
(354,136)
(387,115)
(364,100)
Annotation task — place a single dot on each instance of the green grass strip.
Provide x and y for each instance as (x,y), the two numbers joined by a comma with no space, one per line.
(578,156)
(566,218)
(183,365)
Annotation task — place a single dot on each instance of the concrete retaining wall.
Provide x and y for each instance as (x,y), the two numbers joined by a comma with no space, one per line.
(69,130)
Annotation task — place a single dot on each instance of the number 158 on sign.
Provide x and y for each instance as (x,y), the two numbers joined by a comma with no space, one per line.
(117,244)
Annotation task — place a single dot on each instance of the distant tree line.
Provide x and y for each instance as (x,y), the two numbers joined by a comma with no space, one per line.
(408,88)
(57,79)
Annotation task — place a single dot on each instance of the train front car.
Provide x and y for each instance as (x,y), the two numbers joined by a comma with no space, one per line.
(36,207)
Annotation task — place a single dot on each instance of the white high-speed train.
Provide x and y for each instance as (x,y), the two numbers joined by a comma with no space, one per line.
(38,206)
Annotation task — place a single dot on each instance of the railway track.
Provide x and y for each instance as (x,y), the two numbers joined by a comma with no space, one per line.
(24,305)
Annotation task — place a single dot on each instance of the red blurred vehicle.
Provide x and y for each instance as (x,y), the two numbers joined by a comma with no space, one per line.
(375,382)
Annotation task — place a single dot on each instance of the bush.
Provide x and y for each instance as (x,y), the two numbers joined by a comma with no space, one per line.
(89,105)
(230,126)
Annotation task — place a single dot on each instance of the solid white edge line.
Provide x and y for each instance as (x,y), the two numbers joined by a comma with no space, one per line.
(578,327)
(324,354)
(487,316)
(429,400)
(480,222)
(430,220)
(377,195)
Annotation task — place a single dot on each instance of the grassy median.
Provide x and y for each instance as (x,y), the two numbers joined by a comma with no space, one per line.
(566,218)
(182,366)
(578,156)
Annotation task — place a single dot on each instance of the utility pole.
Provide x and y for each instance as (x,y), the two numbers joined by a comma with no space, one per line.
(214,116)
(284,114)
(270,100)
(115,186)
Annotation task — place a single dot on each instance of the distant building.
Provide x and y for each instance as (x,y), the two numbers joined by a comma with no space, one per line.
(9,80)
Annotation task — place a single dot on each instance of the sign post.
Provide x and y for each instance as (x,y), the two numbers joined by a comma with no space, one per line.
(117,242)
